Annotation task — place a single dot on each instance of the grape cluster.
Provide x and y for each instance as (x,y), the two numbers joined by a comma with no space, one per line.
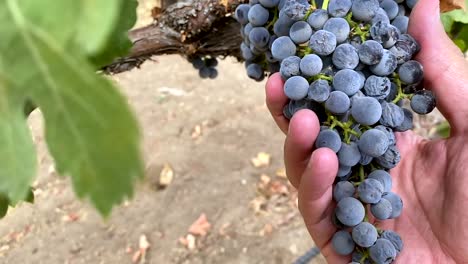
(206,66)
(351,62)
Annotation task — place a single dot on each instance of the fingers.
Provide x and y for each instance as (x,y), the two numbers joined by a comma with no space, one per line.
(445,68)
(315,201)
(276,100)
(303,130)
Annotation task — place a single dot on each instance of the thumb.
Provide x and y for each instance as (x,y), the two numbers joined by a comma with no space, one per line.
(315,201)
(445,68)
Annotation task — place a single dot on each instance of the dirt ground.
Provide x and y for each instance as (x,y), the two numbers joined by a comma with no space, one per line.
(207,132)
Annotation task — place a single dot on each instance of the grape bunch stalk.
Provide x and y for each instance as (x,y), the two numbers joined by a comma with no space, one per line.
(351,62)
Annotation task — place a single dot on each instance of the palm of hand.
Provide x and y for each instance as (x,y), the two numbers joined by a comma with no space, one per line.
(430,177)
(431,183)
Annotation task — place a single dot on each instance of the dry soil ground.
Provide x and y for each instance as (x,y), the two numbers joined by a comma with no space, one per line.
(207,131)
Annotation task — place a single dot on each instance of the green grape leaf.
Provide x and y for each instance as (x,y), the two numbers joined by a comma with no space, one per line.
(90,130)
(461,38)
(443,129)
(447,21)
(89,37)
(118,44)
(4,202)
(459,15)
(17,151)
(30,197)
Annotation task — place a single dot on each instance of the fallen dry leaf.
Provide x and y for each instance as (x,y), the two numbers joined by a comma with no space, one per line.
(140,254)
(196,132)
(166,176)
(143,243)
(189,241)
(278,187)
(449,5)
(262,160)
(266,230)
(281,172)
(136,257)
(201,226)
(265,179)
(71,217)
(258,204)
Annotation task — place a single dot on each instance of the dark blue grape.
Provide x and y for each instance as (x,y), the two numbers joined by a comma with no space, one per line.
(311,65)
(343,243)
(300,32)
(366,110)
(347,81)
(317,19)
(241,14)
(337,103)
(383,177)
(364,234)
(370,191)
(339,27)
(255,72)
(282,48)
(390,7)
(364,10)
(411,72)
(349,154)
(394,238)
(258,15)
(350,211)
(407,122)
(296,87)
(382,251)
(319,91)
(259,37)
(401,22)
(370,52)
(296,9)
(345,57)
(328,139)
(385,33)
(397,203)
(323,42)
(269,3)
(339,8)
(390,158)
(290,67)
(343,189)
(392,115)
(382,210)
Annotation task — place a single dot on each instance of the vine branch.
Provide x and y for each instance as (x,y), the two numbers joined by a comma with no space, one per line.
(202,27)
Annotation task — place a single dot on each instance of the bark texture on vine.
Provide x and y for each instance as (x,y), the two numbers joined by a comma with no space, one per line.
(199,27)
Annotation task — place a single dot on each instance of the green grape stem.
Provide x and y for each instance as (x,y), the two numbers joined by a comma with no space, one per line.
(400,95)
(325,5)
(273,21)
(362,176)
(320,76)
(357,29)
(345,126)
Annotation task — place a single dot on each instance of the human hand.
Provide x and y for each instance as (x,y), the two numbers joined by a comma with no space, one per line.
(430,176)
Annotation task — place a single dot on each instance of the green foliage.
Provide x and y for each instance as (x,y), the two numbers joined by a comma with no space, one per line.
(49,53)
(443,129)
(456,26)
